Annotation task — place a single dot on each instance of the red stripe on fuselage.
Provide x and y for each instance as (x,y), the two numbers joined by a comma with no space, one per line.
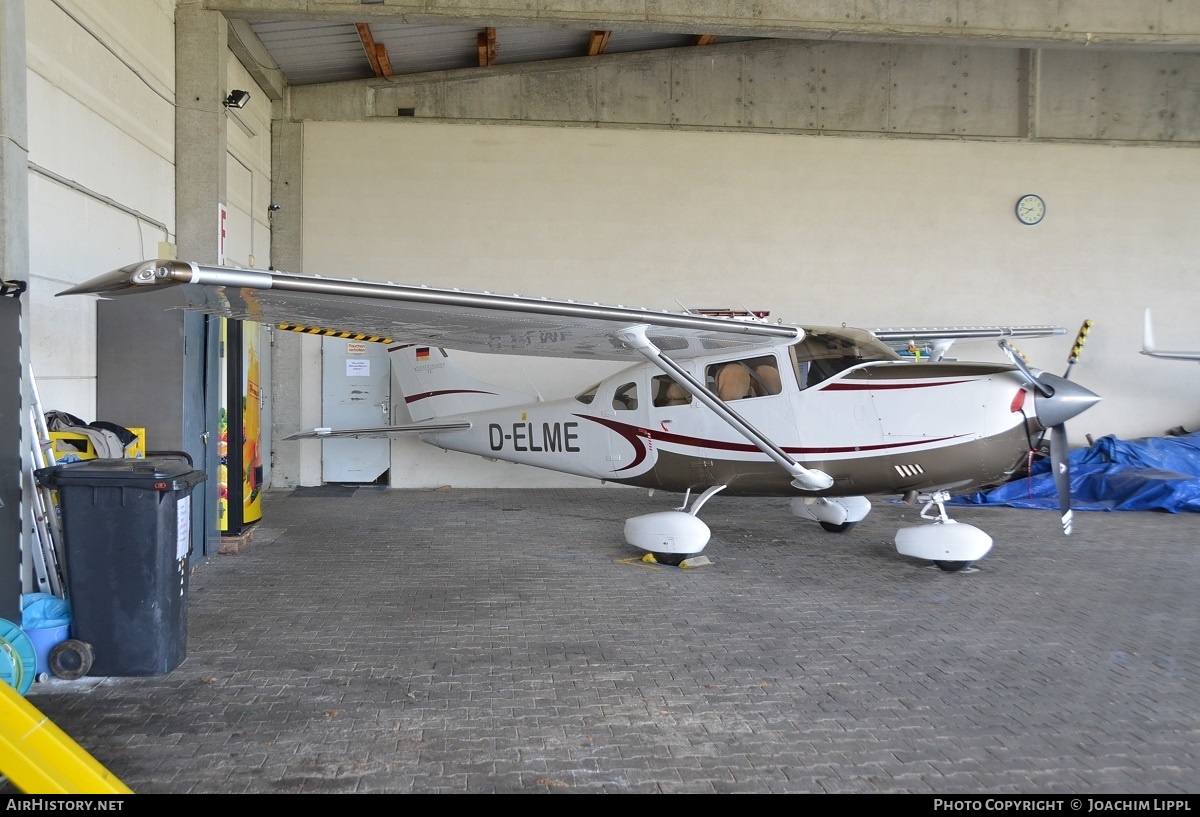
(635,435)
(423,395)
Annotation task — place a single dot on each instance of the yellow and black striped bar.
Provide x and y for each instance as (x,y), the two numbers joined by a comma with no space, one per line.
(335,333)
(1080,339)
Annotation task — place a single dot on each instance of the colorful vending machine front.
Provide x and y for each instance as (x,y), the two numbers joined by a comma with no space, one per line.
(240,447)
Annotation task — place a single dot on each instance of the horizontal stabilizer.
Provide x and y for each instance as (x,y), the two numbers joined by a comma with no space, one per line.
(378,431)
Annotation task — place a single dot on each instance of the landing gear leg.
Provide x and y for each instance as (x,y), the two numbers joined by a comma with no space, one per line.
(950,545)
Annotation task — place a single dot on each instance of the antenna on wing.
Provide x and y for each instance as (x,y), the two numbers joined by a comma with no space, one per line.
(754,314)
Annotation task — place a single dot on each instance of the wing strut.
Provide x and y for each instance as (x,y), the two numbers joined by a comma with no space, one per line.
(803,478)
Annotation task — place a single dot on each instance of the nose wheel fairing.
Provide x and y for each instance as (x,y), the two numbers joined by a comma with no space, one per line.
(949,544)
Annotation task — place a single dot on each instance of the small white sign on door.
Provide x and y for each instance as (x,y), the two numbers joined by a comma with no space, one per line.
(358,368)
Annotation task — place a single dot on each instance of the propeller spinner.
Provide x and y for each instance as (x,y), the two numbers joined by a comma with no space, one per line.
(1057,400)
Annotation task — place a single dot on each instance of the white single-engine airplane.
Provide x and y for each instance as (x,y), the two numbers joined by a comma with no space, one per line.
(1149,347)
(823,416)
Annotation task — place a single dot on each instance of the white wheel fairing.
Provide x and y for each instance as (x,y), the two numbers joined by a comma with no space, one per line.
(832,511)
(947,541)
(667,532)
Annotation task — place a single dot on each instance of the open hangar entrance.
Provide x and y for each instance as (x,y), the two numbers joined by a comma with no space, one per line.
(826,168)
(871,179)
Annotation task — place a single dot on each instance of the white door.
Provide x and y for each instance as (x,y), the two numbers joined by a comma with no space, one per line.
(356,392)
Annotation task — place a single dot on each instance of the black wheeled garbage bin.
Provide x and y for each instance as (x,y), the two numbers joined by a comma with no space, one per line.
(127,542)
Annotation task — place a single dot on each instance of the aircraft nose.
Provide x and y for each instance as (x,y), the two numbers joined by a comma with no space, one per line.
(1068,400)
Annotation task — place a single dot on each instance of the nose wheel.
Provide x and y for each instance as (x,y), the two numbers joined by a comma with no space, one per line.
(950,545)
(670,559)
(952,567)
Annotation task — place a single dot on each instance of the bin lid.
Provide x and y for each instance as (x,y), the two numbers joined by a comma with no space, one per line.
(161,473)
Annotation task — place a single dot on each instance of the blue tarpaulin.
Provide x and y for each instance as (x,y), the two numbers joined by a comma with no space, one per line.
(1152,474)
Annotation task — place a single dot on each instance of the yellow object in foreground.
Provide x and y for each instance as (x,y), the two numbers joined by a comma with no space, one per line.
(39,758)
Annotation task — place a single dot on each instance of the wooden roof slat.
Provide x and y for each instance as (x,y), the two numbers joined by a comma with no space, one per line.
(487,47)
(385,64)
(598,42)
(368,41)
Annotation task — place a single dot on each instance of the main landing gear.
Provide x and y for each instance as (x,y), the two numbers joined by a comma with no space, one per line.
(834,514)
(672,536)
(950,545)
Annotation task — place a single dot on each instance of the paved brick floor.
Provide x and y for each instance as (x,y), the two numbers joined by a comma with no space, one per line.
(510,641)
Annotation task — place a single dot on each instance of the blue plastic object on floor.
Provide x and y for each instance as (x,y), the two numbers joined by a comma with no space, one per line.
(1152,474)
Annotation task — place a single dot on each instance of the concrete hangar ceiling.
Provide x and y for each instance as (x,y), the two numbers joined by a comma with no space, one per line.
(319,42)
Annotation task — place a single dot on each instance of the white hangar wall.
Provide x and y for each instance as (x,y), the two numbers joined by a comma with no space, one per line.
(818,229)
(102,152)
(101,93)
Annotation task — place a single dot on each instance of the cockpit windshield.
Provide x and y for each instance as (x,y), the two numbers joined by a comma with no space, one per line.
(825,351)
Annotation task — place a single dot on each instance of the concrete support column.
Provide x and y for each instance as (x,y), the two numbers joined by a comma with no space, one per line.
(201,154)
(14,320)
(296,462)
(201,45)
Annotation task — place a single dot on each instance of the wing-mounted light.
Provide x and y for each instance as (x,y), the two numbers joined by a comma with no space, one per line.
(141,274)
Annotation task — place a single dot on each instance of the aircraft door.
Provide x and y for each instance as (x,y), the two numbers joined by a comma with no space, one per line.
(681,424)
(625,408)
(355,393)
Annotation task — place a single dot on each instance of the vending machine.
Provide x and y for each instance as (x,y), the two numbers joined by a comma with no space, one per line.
(240,445)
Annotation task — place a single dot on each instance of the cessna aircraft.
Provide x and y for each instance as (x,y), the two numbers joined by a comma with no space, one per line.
(822,416)
(1150,348)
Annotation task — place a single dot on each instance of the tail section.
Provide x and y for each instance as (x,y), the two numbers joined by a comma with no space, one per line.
(433,386)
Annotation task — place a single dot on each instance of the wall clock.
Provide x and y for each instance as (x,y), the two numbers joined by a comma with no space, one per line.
(1030,208)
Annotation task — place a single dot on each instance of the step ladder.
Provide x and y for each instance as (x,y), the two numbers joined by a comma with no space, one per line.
(40,758)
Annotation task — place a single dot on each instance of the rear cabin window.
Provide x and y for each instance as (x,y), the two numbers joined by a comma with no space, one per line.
(669,393)
(741,379)
(625,397)
(586,397)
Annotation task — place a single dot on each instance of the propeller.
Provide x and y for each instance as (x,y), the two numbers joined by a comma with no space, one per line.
(1057,400)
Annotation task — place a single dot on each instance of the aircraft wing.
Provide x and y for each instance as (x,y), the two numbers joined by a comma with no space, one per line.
(449,318)
(936,340)
(936,333)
